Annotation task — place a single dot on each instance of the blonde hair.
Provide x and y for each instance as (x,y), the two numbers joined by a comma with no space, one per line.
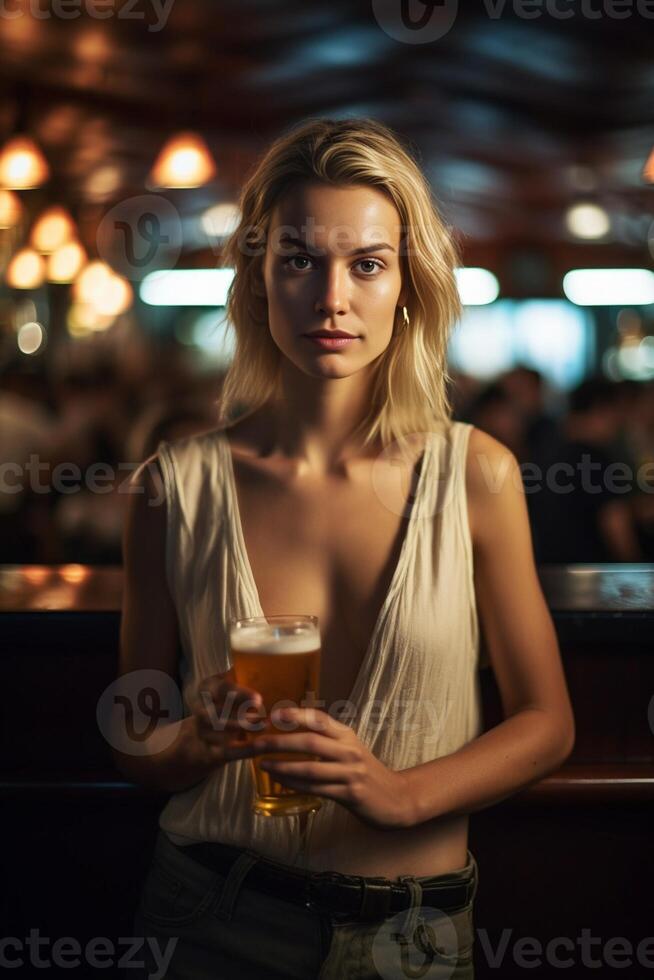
(410,385)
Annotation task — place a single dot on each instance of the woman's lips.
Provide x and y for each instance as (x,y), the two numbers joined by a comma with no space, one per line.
(331,343)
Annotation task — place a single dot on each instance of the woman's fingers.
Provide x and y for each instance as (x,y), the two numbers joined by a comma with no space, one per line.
(317,772)
(226,731)
(309,742)
(290,719)
(220,703)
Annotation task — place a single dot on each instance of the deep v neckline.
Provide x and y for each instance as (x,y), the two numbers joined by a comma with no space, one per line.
(406,548)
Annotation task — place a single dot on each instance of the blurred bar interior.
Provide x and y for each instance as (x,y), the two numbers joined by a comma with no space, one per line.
(124,140)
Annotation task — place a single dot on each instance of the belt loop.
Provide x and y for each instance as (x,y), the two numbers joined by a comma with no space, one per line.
(413,916)
(224,907)
(375,900)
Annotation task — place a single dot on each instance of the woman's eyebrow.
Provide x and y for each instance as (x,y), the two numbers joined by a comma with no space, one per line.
(361,250)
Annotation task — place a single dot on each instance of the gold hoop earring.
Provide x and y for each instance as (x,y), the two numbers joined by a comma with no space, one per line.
(405,316)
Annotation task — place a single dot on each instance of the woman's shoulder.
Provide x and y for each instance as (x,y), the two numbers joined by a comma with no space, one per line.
(485,448)
(191,446)
(493,478)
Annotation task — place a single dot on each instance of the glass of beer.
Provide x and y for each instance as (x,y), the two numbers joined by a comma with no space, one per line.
(279,656)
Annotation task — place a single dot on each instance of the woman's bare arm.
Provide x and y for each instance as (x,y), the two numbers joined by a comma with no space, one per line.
(149,639)
(538,732)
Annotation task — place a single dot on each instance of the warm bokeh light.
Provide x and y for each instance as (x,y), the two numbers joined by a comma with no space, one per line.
(26,270)
(90,280)
(114,297)
(184,161)
(83,319)
(648,172)
(629,323)
(587,221)
(11,209)
(30,338)
(22,165)
(74,574)
(52,229)
(36,574)
(103,182)
(75,324)
(105,292)
(65,264)
(93,45)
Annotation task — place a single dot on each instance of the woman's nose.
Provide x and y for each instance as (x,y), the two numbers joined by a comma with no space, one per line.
(332,299)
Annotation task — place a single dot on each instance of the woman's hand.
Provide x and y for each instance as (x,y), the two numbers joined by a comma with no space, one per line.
(226,717)
(346,770)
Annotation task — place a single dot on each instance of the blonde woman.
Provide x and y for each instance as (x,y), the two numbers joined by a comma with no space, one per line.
(344,490)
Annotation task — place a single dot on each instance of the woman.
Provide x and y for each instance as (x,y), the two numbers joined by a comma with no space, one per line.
(297,506)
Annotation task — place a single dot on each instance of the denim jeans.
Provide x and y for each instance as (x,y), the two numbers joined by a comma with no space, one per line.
(196,924)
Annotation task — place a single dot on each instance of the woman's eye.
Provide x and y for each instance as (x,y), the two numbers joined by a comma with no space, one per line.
(295,258)
(372,264)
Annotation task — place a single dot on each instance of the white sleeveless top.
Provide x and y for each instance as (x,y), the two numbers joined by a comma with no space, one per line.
(417,694)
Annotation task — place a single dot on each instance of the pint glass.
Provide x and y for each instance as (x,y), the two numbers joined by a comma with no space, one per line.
(279,656)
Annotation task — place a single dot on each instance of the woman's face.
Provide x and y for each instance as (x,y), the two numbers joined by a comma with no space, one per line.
(332,263)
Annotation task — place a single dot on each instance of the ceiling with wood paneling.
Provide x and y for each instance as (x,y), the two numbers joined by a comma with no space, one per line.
(513,118)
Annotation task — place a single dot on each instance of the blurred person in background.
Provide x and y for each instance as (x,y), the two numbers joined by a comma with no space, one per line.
(509,411)
(496,413)
(630,440)
(525,387)
(581,509)
(96,428)
(90,522)
(93,421)
(87,418)
(462,390)
(94,412)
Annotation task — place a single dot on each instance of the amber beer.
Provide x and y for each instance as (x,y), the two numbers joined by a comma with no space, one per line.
(279,656)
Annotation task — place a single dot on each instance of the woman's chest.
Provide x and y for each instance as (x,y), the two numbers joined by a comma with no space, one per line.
(332,552)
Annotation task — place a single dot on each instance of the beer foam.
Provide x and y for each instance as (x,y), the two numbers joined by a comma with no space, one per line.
(263,639)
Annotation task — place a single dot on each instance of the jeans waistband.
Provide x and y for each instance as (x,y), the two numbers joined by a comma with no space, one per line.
(336,893)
